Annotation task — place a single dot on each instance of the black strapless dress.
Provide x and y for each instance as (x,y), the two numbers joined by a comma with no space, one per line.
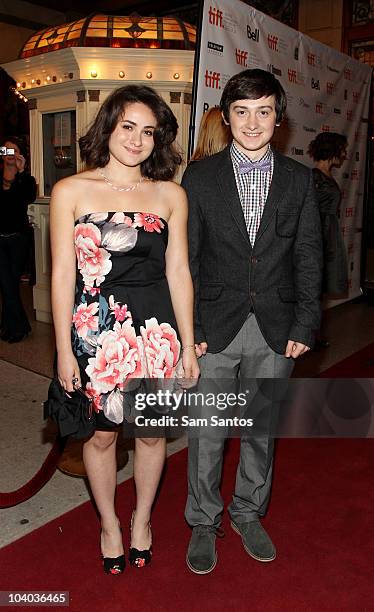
(123,325)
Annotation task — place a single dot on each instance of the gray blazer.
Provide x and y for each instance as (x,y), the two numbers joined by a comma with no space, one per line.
(280,277)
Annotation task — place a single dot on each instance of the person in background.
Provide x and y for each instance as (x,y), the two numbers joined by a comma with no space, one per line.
(214,135)
(328,150)
(17,191)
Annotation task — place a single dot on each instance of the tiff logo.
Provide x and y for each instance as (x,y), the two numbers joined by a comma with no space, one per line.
(325,128)
(319,108)
(212,79)
(330,88)
(311,59)
(215,17)
(253,34)
(349,212)
(349,115)
(273,42)
(354,175)
(292,76)
(241,57)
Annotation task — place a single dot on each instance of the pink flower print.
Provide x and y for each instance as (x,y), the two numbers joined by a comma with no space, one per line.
(116,359)
(93,394)
(84,319)
(150,222)
(93,262)
(120,312)
(161,348)
(120,217)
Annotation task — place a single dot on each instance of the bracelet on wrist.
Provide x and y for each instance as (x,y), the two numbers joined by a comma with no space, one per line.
(188,346)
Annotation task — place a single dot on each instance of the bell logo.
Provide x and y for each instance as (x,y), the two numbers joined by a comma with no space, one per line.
(315,83)
(215,17)
(319,108)
(212,79)
(253,34)
(273,42)
(241,57)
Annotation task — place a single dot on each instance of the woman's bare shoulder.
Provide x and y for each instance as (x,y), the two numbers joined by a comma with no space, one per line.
(171,190)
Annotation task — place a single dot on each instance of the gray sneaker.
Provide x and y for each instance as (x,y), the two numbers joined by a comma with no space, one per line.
(255,540)
(201,554)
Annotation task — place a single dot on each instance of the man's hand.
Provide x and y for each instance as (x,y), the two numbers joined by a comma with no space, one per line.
(201,349)
(295,349)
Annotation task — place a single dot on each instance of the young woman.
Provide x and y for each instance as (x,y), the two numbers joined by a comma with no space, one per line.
(122,294)
(17,191)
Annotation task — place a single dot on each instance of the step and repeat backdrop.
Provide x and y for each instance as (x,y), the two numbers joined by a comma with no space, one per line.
(326,91)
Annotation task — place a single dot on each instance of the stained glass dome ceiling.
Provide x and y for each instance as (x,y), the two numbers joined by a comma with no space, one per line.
(113,31)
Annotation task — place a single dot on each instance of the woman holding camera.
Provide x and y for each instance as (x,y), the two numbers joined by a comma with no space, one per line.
(17,191)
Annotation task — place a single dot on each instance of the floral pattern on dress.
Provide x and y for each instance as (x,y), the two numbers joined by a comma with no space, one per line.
(149,222)
(116,359)
(93,261)
(85,320)
(161,348)
(114,355)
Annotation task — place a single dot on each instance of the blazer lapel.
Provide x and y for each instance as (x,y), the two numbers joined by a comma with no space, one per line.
(279,185)
(227,184)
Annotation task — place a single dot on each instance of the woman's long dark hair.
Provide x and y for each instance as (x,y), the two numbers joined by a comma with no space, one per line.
(327,145)
(164,159)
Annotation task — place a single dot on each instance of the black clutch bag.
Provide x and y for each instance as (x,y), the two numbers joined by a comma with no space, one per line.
(72,412)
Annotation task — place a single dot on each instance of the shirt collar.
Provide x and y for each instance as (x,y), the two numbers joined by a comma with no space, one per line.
(238,156)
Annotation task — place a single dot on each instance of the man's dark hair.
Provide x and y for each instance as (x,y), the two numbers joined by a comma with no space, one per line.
(252,85)
(327,145)
(164,159)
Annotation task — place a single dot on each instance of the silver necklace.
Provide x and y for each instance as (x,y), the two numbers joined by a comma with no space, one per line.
(117,188)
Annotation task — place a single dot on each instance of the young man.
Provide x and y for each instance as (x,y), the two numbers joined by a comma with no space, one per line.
(256,259)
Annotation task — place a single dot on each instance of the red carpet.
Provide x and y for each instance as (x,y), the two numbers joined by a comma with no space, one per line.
(320,519)
(358,365)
